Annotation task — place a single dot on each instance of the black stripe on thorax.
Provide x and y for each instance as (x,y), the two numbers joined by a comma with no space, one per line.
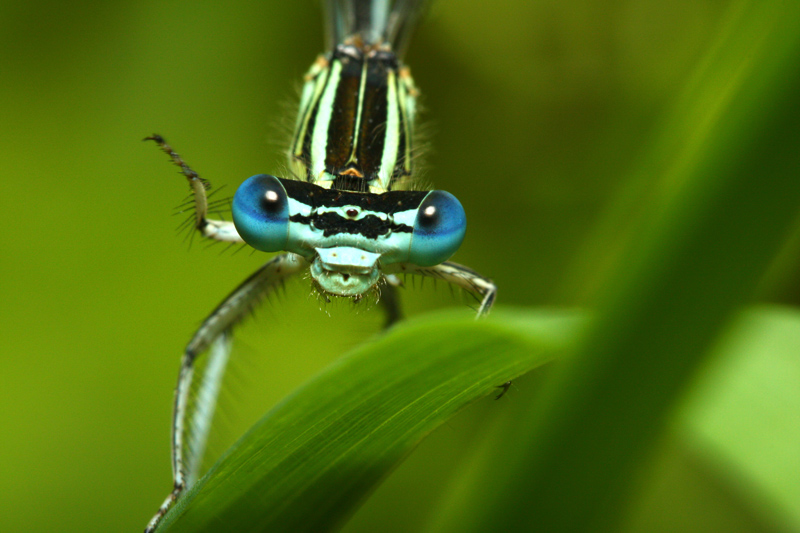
(341,134)
(374,112)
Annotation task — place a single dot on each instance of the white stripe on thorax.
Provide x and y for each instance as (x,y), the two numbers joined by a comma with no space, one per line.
(391,140)
(319,139)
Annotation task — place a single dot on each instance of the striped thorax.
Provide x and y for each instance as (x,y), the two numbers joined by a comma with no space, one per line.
(355,122)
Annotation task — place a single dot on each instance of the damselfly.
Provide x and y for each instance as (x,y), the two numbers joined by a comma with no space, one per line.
(349,213)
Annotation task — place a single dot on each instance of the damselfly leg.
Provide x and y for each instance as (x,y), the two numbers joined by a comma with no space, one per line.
(218,230)
(482,288)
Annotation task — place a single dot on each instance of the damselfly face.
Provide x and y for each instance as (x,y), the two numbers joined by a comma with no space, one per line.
(348,237)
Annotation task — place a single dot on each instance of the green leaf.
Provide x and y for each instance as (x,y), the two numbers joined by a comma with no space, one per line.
(745,415)
(312,460)
(572,464)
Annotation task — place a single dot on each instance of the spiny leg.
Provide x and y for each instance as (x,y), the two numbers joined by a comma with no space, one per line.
(218,230)
(213,334)
(479,286)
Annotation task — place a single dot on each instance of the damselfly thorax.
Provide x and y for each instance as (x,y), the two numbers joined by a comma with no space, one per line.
(355,123)
(350,215)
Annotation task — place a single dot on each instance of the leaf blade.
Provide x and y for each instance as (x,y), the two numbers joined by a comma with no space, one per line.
(310,462)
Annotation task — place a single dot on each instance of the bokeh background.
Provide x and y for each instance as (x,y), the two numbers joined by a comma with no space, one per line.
(538,116)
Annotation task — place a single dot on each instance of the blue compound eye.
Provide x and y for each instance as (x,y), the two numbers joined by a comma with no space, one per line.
(261,213)
(438,229)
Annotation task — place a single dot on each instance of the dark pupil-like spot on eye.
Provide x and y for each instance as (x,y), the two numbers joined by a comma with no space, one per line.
(429,216)
(352,212)
(271,200)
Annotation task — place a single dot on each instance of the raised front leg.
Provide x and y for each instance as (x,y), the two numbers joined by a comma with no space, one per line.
(481,287)
(218,230)
(190,427)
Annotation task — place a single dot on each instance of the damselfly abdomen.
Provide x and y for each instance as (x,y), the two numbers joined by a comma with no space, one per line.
(349,215)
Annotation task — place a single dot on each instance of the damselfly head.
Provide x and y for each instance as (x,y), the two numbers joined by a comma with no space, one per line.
(348,237)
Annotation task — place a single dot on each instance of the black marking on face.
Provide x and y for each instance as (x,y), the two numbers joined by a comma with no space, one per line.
(332,224)
(389,203)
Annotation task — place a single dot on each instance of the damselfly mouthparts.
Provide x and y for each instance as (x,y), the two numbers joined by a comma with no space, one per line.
(348,215)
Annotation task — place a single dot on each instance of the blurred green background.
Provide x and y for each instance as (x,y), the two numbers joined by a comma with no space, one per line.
(540,116)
